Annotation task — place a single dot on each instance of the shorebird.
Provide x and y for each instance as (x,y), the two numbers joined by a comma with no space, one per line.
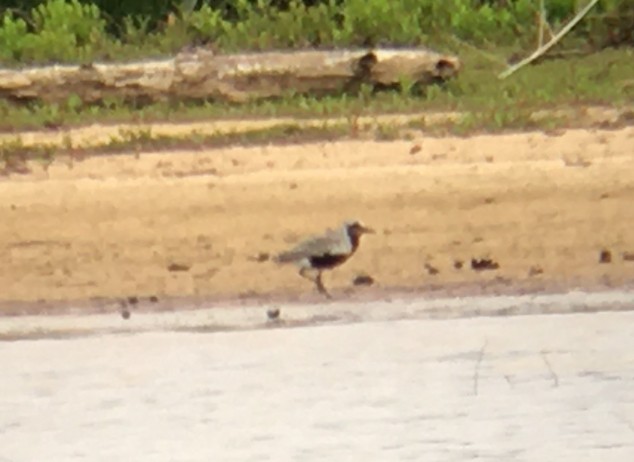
(325,252)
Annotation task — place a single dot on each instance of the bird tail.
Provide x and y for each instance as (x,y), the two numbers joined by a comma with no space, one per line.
(284,257)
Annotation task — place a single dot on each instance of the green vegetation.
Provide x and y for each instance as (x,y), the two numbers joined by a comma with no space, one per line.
(605,78)
(483,33)
(16,157)
(79,31)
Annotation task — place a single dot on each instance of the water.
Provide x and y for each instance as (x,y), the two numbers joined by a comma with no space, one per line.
(533,387)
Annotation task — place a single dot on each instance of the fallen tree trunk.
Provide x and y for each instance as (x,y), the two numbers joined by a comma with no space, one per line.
(202,74)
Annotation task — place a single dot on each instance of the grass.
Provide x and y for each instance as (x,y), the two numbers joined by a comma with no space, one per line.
(603,78)
(16,157)
(74,31)
(483,102)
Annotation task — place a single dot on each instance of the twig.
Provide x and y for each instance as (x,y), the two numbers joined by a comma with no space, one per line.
(476,372)
(552,372)
(540,33)
(548,28)
(543,49)
(543,21)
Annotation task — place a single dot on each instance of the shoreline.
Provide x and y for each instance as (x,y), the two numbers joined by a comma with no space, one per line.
(183,304)
(227,319)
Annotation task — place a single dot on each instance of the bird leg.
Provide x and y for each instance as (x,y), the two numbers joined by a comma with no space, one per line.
(320,286)
(317,280)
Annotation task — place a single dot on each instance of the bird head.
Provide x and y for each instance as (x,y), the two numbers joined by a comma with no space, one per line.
(356,228)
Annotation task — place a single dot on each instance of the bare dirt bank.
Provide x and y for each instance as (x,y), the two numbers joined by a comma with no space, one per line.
(191,224)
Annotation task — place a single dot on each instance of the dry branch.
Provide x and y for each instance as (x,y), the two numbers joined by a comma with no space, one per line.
(544,48)
(202,74)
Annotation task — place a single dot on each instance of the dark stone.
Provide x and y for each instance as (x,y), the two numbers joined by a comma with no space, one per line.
(484,264)
(177,267)
(262,257)
(363,280)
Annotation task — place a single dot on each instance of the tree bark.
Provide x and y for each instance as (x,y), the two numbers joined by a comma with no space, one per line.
(202,74)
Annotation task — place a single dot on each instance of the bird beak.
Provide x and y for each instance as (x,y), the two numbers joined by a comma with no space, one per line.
(367,230)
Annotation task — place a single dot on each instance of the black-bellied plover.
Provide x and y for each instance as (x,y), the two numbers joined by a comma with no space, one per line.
(324,252)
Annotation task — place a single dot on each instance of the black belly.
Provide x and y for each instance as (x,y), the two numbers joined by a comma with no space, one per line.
(327,261)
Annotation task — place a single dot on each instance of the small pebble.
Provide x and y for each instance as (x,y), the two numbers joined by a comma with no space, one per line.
(273,313)
(363,280)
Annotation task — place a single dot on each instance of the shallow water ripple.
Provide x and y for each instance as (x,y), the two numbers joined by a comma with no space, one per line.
(549,387)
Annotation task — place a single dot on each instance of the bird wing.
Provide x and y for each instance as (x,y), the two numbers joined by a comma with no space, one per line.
(333,242)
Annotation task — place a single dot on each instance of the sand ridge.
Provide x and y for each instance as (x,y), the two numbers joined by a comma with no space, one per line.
(102,134)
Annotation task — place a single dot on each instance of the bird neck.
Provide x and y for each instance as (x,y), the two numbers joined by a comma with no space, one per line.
(354,241)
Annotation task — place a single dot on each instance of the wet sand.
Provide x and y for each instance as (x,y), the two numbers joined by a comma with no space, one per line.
(219,318)
(193,225)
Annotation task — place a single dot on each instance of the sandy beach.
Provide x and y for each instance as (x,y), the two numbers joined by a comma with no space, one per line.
(527,360)
(200,224)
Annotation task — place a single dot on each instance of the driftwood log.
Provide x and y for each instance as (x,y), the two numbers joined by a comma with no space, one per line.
(203,74)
